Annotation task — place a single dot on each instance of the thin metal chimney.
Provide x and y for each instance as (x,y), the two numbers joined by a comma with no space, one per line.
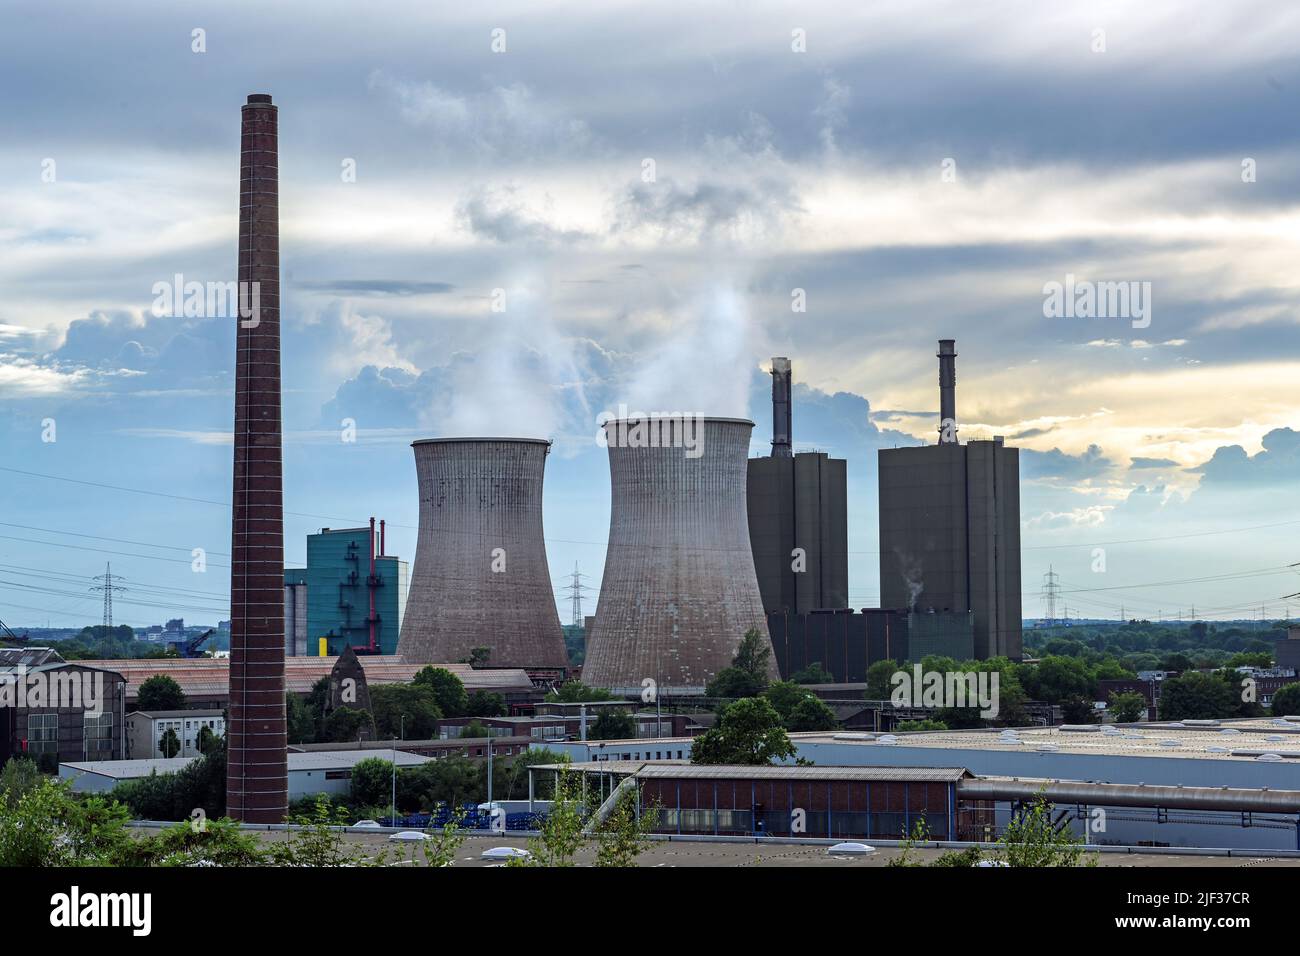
(947,391)
(781,389)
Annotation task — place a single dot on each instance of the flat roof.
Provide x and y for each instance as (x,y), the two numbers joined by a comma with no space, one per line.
(314,760)
(1224,740)
(684,769)
(175,713)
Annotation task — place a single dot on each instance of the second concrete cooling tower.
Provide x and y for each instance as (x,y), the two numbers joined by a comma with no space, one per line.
(480,577)
(679,589)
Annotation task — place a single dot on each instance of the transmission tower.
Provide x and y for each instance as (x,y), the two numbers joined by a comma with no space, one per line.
(575,588)
(1051,590)
(108,587)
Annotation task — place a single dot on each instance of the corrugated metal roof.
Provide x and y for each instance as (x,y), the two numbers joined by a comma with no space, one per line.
(682,769)
(791,772)
(210,677)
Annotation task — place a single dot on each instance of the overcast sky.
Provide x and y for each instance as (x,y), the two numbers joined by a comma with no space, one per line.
(919,171)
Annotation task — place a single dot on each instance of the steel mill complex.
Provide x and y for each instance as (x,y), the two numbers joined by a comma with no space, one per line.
(679,589)
(480,577)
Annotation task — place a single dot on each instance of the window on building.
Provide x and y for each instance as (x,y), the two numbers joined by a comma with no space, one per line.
(43,734)
(97,736)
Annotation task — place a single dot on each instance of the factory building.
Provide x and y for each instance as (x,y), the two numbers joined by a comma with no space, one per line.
(481,578)
(351,594)
(679,589)
(798,516)
(52,710)
(950,527)
(1231,784)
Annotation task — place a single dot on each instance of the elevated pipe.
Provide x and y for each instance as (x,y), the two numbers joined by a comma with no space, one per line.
(1134,795)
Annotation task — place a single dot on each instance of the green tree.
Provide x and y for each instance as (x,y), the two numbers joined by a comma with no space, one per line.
(879,685)
(372,782)
(906,725)
(318,841)
(784,696)
(1198,696)
(576,692)
(169,745)
(207,740)
(811,713)
(484,704)
(1032,839)
(621,836)
(217,842)
(347,724)
(1128,706)
(1286,700)
(560,834)
(448,691)
(748,732)
(612,725)
(475,728)
(19,776)
(300,723)
(732,683)
(410,711)
(160,692)
(1078,710)
(813,674)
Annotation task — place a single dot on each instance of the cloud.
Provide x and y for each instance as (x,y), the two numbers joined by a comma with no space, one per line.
(1279,462)
(377,287)
(1137,464)
(501,216)
(1056,464)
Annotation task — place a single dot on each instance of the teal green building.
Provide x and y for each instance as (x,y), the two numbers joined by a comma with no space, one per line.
(339,589)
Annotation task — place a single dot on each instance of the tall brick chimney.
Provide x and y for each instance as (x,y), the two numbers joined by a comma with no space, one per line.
(256,778)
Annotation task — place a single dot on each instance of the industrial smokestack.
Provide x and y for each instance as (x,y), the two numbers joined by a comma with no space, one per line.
(679,589)
(256,776)
(947,391)
(781,406)
(480,577)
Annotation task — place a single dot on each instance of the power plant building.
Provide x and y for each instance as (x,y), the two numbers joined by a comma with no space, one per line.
(950,527)
(480,577)
(679,589)
(356,594)
(798,517)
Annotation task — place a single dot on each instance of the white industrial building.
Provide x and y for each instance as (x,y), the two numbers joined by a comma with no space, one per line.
(145,731)
(312,773)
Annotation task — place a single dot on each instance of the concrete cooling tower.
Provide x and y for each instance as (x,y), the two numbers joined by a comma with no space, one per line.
(679,589)
(480,577)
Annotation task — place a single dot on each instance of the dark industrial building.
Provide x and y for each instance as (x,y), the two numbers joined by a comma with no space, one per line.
(54,711)
(846,642)
(797,501)
(950,527)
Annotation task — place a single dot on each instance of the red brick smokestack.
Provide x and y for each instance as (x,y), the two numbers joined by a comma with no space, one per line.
(256,777)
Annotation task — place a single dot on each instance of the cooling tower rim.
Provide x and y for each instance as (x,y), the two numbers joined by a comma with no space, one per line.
(502,440)
(707,418)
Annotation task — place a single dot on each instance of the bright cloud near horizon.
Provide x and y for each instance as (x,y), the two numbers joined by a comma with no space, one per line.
(918,172)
